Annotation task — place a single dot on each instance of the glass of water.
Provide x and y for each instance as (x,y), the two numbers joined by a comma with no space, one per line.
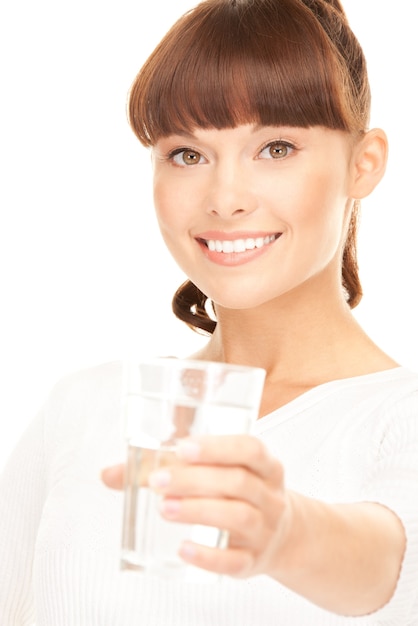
(165,400)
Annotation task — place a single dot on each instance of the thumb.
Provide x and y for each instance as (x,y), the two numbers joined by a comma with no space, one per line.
(113,476)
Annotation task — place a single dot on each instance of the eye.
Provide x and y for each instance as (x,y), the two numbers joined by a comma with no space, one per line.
(276,150)
(186,156)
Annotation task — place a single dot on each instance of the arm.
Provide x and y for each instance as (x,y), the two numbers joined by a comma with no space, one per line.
(22,486)
(343,557)
(333,554)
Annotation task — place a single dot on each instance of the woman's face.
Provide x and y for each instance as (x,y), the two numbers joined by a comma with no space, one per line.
(253,212)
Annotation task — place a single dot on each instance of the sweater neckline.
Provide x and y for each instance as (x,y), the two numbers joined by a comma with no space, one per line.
(319,392)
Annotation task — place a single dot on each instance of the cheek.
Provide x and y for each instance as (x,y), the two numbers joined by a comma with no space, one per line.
(174,218)
(318,202)
(166,201)
(172,202)
(314,212)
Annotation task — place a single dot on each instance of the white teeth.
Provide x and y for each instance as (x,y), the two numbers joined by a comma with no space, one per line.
(238,245)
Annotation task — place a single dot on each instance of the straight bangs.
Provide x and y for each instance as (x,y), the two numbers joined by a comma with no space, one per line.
(227,63)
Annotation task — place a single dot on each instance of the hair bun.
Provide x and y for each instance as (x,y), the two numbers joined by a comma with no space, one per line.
(335,4)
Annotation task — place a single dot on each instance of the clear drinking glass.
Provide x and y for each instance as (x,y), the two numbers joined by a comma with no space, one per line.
(165,400)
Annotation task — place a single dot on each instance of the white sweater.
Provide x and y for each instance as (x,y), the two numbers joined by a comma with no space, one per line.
(60,527)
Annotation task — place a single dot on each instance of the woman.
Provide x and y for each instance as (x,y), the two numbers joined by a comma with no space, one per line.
(256,113)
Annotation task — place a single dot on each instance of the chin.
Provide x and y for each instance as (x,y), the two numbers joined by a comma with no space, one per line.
(240,301)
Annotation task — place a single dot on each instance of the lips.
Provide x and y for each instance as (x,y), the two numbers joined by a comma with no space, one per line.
(238,244)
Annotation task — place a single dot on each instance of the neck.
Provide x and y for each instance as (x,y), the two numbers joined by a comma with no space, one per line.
(301,339)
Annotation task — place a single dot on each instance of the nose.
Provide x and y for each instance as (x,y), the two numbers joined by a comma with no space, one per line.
(231,194)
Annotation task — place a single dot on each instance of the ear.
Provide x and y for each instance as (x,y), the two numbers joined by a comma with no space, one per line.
(369,163)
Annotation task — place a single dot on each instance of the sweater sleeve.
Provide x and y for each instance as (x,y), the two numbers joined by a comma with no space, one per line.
(393,482)
(22,489)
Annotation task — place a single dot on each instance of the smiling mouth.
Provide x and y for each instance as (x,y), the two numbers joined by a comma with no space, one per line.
(238,245)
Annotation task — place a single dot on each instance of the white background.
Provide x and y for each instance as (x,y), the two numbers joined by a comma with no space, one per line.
(84,276)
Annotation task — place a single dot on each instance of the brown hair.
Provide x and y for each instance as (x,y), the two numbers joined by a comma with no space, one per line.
(271,62)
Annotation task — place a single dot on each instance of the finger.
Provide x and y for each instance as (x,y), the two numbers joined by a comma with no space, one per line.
(242,521)
(234,562)
(113,477)
(236,483)
(228,450)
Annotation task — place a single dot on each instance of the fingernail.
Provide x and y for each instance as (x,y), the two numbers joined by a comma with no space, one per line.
(170,508)
(188,449)
(161,478)
(187,550)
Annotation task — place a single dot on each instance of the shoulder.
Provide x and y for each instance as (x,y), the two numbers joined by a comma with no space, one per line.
(386,392)
(389,399)
(398,393)
(85,395)
(399,412)
(103,377)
